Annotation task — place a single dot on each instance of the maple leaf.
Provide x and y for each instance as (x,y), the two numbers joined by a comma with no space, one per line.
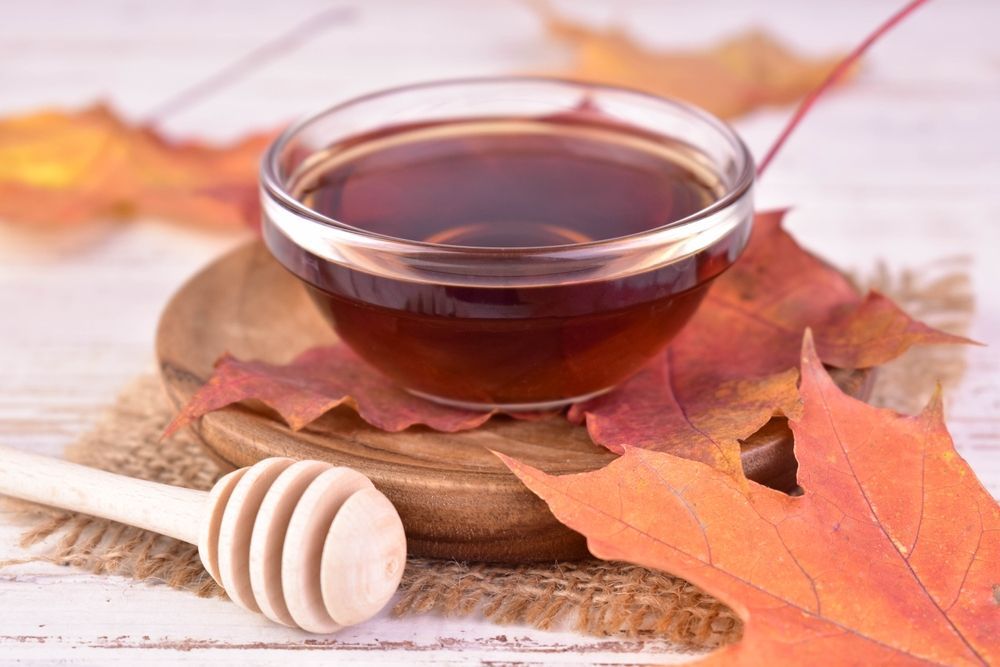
(314,383)
(732,368)
(739,75)
(776,290)
(65,168)
(891,555)
(698,417)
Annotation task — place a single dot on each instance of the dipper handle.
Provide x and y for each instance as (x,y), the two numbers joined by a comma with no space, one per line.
(161,508)
(305,543)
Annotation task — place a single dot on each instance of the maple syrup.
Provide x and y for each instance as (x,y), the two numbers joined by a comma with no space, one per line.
(497,193)
(507,184)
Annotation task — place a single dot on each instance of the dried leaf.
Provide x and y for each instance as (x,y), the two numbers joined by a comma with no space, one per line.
(891,555)
(739,75)
(58,168)
(732,367)
(698,417)
(317,381)
(775,291)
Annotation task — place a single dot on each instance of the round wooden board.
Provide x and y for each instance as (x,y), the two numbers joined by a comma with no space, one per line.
(455,498)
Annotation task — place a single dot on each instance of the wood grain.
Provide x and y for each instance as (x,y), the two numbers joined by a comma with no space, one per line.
(455,498)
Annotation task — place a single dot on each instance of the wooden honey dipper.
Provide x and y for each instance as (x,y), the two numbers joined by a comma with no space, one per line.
(305,543)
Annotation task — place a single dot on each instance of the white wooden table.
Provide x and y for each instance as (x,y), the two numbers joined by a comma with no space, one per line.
(902,166)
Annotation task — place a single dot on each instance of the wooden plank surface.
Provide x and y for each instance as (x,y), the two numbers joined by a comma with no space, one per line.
(900,167)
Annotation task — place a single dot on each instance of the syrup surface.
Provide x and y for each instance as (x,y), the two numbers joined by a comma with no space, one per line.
(508,184)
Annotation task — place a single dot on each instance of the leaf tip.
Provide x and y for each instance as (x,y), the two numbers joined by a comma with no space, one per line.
(506,460)
(809,356)
(935,405)
(180,420)
(771,220)
(522,471)
(225,359)
(812,372)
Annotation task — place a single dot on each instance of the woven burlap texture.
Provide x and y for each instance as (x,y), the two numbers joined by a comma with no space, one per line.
(591,596)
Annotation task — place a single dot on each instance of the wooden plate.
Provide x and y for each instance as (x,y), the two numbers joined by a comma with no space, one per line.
(455,498)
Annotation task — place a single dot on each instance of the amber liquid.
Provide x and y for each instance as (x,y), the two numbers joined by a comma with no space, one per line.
(507,184)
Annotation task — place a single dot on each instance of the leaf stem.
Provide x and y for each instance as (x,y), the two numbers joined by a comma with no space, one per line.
(835,75)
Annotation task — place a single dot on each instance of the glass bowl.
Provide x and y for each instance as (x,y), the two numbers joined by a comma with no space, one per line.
(507,325)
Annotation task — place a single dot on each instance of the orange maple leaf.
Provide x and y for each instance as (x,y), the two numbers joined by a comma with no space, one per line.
(739,75)
(891,555)
(314,383)
(64,168)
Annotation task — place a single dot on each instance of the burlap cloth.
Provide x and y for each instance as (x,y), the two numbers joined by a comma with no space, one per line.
(591,596)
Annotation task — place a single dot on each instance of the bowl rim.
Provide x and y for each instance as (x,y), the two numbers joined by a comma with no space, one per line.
(273,191)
